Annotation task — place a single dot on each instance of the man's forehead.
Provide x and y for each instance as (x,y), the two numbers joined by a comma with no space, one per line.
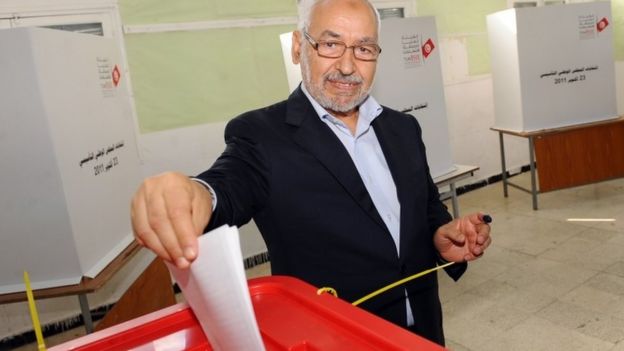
(330,34)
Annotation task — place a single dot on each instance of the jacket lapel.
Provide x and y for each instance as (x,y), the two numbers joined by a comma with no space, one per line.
(391,138)
(314,136)
(386,131)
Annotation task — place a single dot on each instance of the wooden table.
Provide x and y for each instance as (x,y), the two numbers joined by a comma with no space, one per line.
(87,285)
(569,156)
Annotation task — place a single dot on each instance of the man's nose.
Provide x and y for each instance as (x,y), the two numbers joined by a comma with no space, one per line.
(346,62)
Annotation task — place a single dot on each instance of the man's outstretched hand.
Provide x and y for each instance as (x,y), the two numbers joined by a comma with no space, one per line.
(169,211)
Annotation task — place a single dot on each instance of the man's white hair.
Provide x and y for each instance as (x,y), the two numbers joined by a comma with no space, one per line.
(305,7)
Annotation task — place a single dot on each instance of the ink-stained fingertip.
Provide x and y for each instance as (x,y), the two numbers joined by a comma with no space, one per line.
(487,218)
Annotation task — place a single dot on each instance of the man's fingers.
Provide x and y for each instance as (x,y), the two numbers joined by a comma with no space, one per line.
(172,245)
(179,210)
(160,222)
(484,234)
(475,218)
(452,232)
(152,242)
(478,250)
(142,230)
(481,239)
(486,244)
(477,228)
(464,238)
(469,229)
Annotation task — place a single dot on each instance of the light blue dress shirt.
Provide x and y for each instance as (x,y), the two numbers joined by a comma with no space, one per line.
(366,153)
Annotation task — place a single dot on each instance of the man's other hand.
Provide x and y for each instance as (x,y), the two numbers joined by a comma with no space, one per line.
(463,239)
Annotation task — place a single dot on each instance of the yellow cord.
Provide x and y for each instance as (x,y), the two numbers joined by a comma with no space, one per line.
(33,314)
(333,291)
(397,283)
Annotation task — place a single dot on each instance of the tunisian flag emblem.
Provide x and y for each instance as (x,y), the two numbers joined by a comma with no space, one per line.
(427,47)
(602,24)
(116,75)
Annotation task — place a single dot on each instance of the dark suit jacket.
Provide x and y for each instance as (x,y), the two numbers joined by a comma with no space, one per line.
(285,168)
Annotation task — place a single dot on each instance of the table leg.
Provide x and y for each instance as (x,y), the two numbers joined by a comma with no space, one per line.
(533,178)
(454,201)
(86,313)
(503,164)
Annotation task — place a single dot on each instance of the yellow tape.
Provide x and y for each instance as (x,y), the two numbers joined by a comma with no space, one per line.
(327,289)
(33,314)
(397,283)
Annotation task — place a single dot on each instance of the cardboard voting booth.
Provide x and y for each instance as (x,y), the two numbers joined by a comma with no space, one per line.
(290,314)
(409,79)
(69,156)
(552,66)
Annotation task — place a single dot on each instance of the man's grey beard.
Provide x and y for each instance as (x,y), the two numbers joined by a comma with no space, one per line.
(319,95)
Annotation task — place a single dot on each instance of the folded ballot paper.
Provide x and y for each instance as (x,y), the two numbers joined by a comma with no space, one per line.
(216,289)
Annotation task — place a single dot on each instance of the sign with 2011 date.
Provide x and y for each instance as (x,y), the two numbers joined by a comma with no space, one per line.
(568,76)
(103,159)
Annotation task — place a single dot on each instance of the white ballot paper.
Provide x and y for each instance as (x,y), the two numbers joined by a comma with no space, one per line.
(216,289)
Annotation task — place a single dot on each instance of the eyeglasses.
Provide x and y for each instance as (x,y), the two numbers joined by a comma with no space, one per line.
(335,49)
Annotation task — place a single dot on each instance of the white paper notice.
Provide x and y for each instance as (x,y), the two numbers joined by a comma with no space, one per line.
(216,289)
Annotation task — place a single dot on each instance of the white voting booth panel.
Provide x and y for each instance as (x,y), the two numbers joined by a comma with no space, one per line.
(408,79)
(69,157)
(552,66)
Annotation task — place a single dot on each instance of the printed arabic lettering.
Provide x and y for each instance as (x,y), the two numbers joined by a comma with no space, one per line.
(421,106)
(87,159)
(551,73)
(99,154)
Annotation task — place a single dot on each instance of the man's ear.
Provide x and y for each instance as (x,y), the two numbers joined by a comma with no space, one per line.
(295,49)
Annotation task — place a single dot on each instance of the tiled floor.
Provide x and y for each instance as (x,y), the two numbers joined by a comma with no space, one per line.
(545,283)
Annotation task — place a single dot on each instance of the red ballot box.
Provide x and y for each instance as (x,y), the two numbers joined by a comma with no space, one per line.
(291,316)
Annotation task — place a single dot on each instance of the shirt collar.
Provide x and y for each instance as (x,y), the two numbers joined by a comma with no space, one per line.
(369,109)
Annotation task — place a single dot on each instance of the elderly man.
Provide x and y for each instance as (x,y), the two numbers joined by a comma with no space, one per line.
(338,185)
